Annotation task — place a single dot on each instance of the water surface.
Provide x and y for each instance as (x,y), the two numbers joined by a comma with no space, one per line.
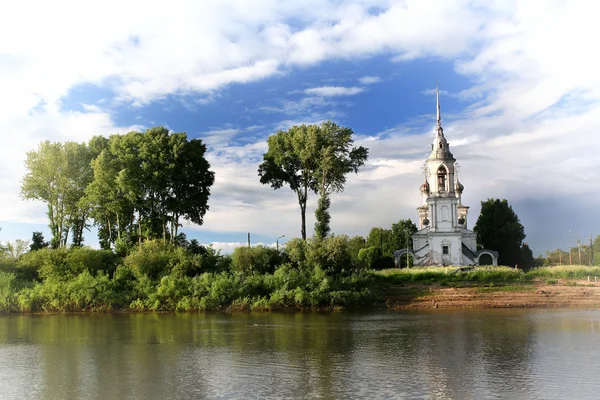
(463,354)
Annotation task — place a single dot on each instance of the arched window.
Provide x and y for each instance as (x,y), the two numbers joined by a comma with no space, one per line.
(441,179)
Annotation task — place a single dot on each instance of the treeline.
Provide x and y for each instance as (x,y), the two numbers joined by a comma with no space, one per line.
(157,275)
(580,254)
(132,187)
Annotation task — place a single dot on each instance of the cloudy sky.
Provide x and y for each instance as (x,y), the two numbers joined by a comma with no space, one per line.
(519,81)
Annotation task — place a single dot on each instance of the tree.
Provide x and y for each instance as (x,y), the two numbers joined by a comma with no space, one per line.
(313,158)
(37,241)
(144,183)
(58,174)
(337,158)
(402,232)
(15,249)
(389,240)
(498,228)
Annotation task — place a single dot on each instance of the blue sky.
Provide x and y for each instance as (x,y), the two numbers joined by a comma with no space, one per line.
(519,89)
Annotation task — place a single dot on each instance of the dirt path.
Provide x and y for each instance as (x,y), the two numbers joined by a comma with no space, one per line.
(510,295)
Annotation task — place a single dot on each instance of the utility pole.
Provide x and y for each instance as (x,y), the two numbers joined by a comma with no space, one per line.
(406,234)
(570,259)
(579,249)
(559,257)
(591,257)
(248,239)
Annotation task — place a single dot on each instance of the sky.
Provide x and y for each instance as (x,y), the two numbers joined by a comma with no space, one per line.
(519,88)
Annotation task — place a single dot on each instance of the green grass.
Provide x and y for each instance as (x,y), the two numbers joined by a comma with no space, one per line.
(445,274)
(565,272)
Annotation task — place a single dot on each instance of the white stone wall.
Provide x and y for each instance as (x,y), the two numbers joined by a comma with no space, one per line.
(454,243)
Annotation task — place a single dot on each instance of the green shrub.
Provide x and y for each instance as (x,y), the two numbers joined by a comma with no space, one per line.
(332,255)
(370,256)
(8,292)
(296,250)
(152,258)
(80,259)
(255,260)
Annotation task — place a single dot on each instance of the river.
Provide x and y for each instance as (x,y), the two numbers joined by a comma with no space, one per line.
(463,354)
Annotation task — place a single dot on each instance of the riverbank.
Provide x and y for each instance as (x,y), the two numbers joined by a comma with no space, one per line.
(565,293)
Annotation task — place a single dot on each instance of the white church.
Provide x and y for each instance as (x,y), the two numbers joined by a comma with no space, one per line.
(443,237)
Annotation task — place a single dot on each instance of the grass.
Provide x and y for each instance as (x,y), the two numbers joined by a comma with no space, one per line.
(425,275)
(445,275)
(565,272)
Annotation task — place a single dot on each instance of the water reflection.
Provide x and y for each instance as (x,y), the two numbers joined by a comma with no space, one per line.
(438,354)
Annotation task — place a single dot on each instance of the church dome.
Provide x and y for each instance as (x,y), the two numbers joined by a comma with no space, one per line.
(459,187)
(424,188)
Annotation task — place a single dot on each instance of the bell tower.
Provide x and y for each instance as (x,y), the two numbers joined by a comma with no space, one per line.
(443,237)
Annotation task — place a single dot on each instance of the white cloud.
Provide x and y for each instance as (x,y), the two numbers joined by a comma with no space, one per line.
(531,130)
(329,91)
(368,80)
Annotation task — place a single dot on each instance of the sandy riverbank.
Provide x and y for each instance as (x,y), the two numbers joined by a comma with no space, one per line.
(537,294)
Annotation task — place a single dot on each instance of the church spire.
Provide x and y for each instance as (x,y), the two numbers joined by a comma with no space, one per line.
(440,131)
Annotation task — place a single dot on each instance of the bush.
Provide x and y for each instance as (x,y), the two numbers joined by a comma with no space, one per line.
(152,258)
(332,255)
(80,259)
(255,260)
(296,250)
(370,256)
(47,264)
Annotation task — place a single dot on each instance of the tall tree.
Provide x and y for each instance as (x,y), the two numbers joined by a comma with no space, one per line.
(57,174)
(144,183)
(313,158)
(290,160)
(498,228)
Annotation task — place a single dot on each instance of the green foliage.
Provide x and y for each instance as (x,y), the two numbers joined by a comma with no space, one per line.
(255,260)
(296,250)
(331,255)
(369,256)
(313,158)
(323,217)
(565,272)
(58,175)
(153,258)
(498,228)
(15,249)
(37,241)
(389,240)
(447,274)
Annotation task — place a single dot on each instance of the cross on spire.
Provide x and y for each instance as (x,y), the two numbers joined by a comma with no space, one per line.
(440,131)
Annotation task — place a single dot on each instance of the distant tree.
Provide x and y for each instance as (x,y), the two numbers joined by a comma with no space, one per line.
(15,249)
(355,245)
(498,228)
(313,158)
(402,232)
(389,240)
(38,242)
(382,239)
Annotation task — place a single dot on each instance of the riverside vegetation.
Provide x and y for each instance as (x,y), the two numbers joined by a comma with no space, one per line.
(160,276)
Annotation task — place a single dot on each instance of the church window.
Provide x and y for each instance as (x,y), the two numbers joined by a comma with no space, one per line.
(441,179)
(440,145)
(444,249)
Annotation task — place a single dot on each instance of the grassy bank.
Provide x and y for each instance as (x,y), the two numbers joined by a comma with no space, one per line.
(309,275)
(484,274)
